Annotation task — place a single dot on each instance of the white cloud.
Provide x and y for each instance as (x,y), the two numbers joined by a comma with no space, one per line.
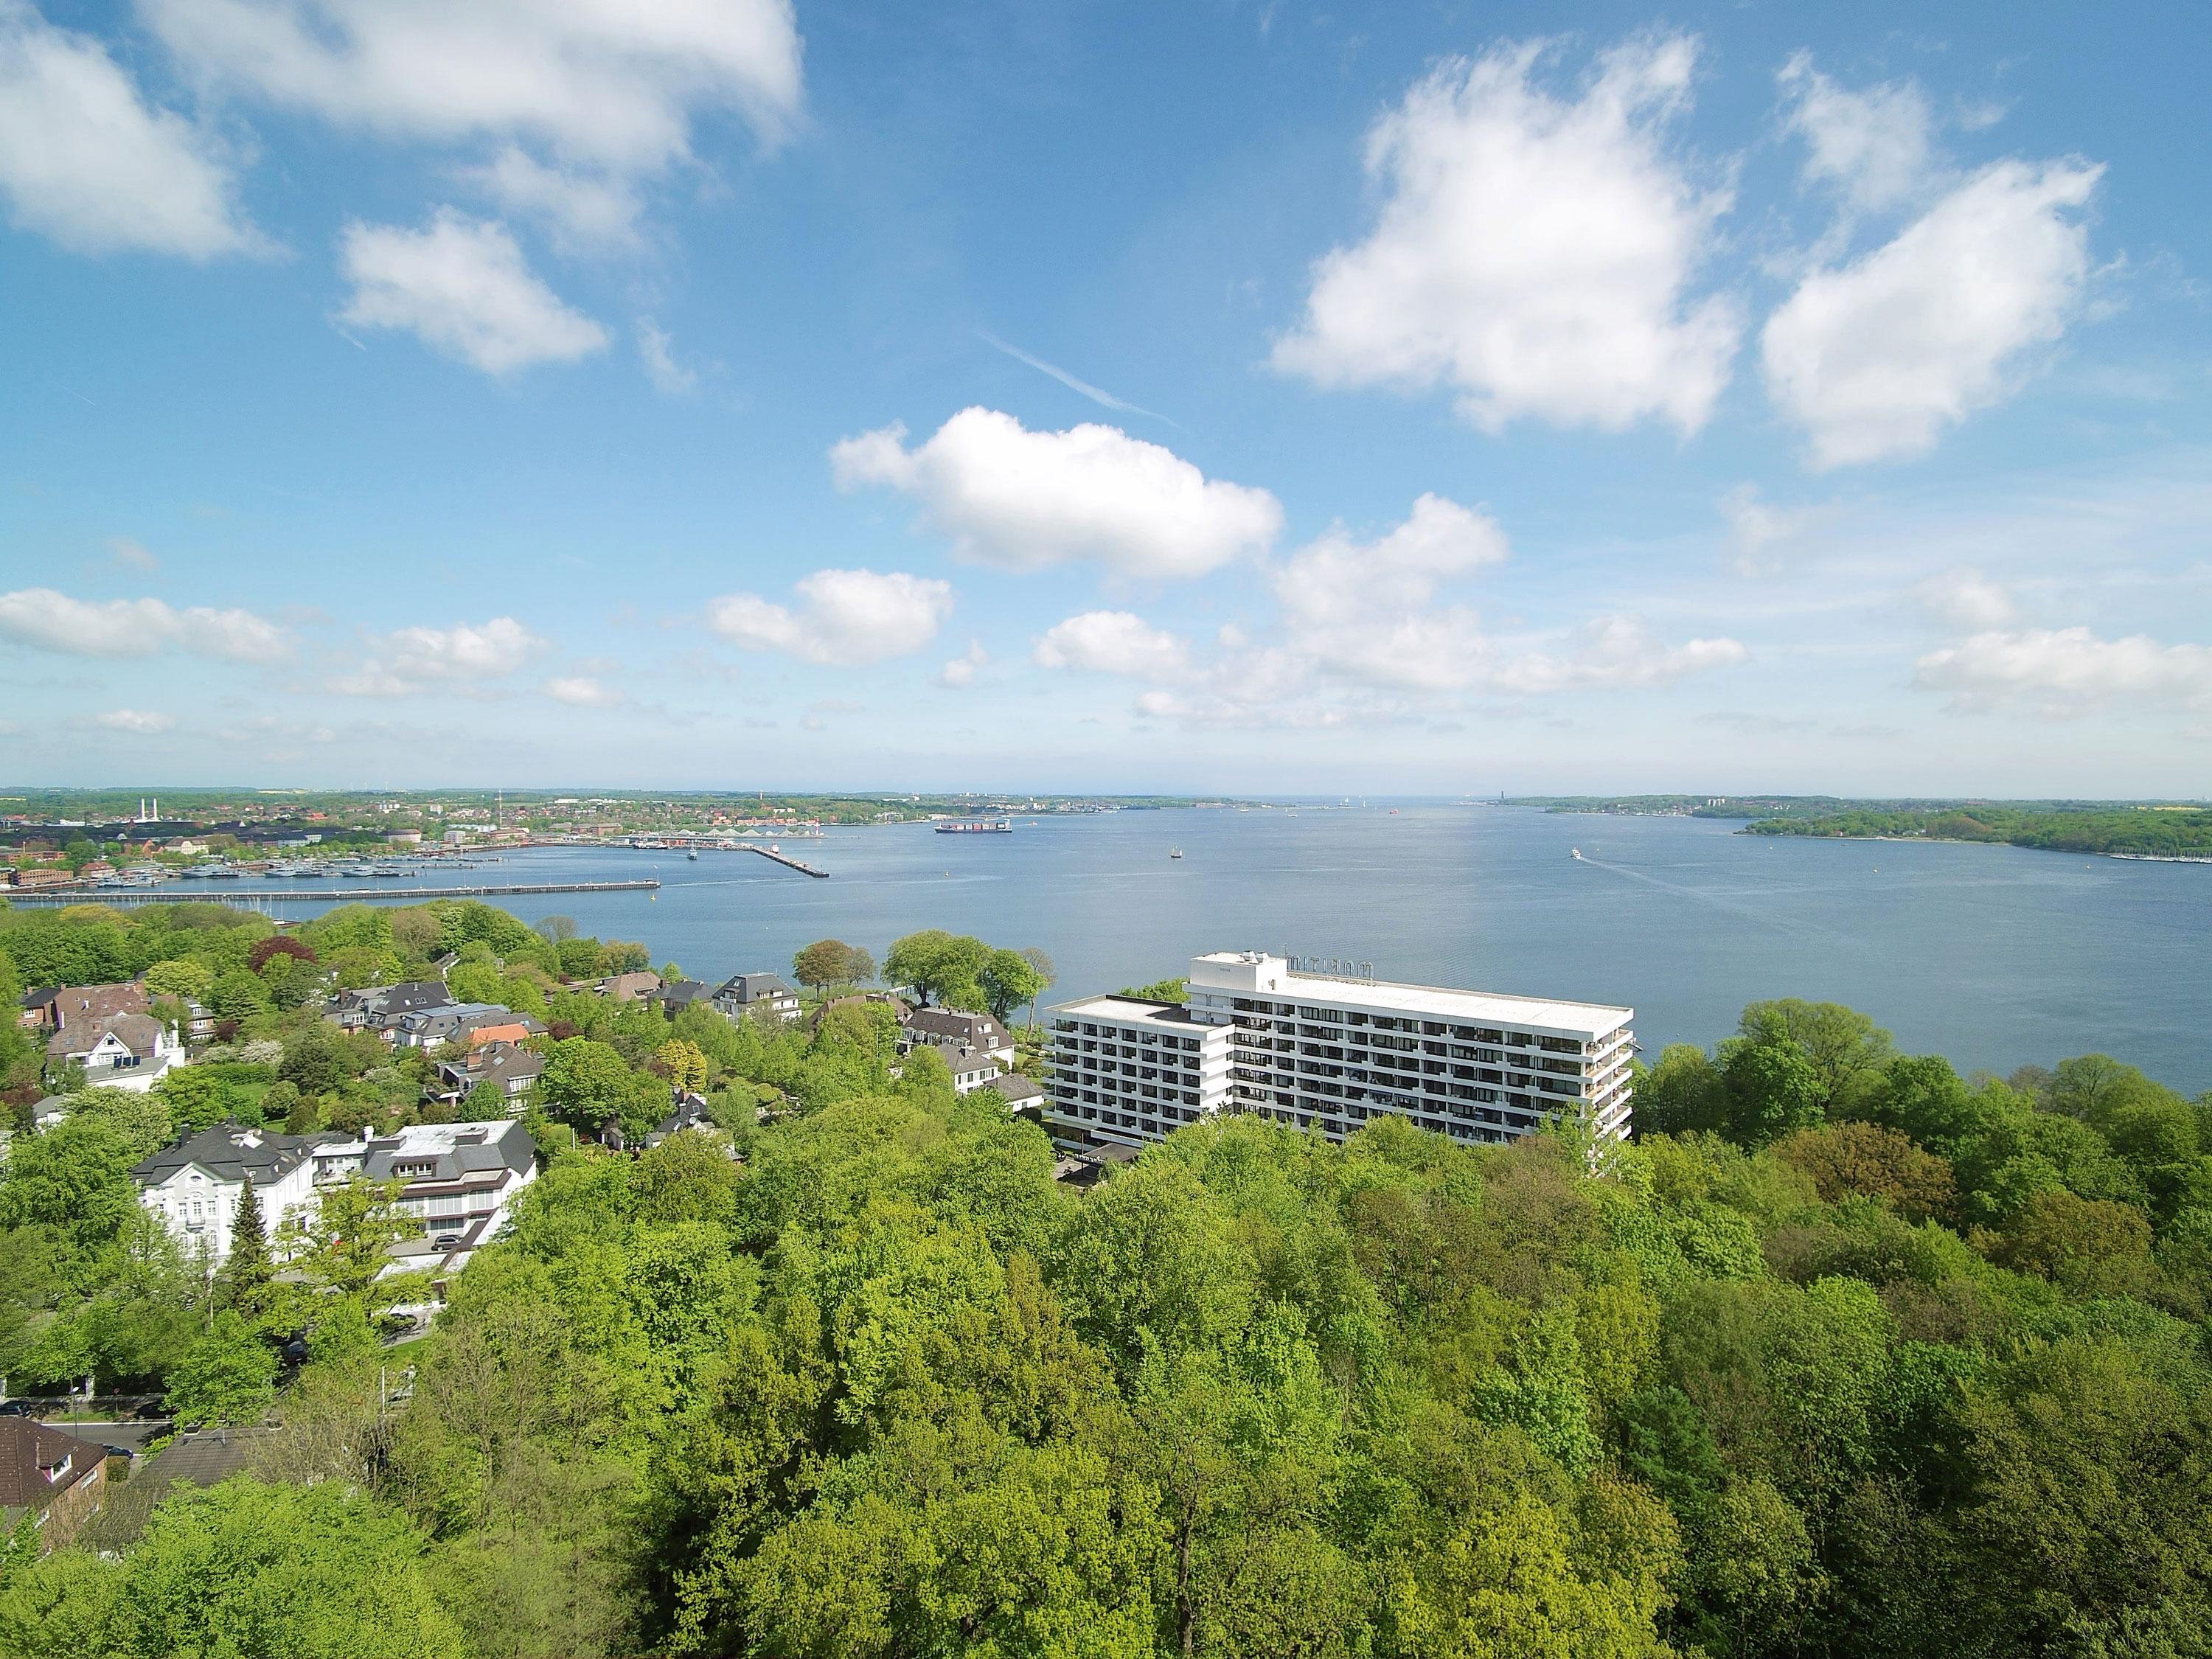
(137,628)
(849,618)
(132,554)
(1874,359)
(1024,500)
(1368,611)
(613,84)
(582,691)
(1761,533)
(1112,642)
(140,722)
(421,659)
(2066,668)
(461,285)
(84,159)
(1534,252)
(960,673)
(1619,651)
(1876,145)
(1964,597)
(661,367)
(585,212)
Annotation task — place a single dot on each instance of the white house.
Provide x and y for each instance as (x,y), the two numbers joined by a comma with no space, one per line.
(120,1051)
(195,1185)
(458,1179)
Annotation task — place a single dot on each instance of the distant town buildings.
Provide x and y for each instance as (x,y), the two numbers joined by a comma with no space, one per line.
(1330,1050)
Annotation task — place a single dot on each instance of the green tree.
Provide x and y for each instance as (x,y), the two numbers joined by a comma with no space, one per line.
(1847,1050)
(227,1376)
(938,966)
(826,962)
(1008,980)
(248,1270)
(348,1242)
(1772,1084)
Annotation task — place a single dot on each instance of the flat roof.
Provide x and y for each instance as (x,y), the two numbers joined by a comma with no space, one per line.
(1136,1011)
(1441,1002)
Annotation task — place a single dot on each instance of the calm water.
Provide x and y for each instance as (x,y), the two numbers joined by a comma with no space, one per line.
(1995,956)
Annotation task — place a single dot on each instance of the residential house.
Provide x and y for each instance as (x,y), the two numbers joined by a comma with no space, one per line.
(1020,1093)
(55,1007)
(50,1474)
(195,1185)
(458,1179)
(741,994)
(513,1069)
(954,1029)
(379,1008)
(971,1069)
(627,987)
(676,995)
(121,1051)
(472,1023)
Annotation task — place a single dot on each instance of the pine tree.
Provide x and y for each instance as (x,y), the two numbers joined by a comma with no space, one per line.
(248,1272)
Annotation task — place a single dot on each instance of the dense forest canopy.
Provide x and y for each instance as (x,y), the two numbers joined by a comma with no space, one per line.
(1845,1355)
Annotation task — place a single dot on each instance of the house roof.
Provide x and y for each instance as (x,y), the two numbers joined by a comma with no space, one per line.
(952,1025)
(753,987)
(625,988)
(454,1149)
(139,1033)
(29,1450)
(73,1003)
(1018,1090)
(682,993)
(498,1060)
(229,1152)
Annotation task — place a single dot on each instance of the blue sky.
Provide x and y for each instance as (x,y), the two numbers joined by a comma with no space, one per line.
(1193,397)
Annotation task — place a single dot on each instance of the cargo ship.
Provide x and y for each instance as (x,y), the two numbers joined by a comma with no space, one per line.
(978,826)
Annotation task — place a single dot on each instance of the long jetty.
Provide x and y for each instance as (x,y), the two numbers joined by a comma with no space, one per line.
(226,894)
(784,858)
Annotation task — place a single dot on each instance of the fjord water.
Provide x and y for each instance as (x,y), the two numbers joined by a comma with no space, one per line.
(1993,956)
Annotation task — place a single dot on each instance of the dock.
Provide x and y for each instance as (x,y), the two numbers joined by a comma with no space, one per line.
(785,859)
(210,893)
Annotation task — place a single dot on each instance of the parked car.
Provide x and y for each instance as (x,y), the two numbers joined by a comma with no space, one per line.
(446,1241)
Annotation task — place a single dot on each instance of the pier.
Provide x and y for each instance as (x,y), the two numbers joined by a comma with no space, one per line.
(210,893)
(784,858)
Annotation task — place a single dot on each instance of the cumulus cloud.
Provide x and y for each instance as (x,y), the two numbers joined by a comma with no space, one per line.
(137,628)
(1965,597)
(1876,358)
(1761,535)
(653,350)
(847,618)
(1368,611)
(1876,145)
(616,86)
(461,285)
(87,160)
(585,212)
(1618,651)
(139,722)
(1111,642)
(2065,670)
(960,673)
(422,658)
(582,691)
(1024,501)
(1534,252)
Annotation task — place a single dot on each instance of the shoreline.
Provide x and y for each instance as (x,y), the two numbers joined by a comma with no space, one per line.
(1978,841)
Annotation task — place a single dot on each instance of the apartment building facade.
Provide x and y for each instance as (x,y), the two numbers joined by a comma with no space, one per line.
(1330,1050)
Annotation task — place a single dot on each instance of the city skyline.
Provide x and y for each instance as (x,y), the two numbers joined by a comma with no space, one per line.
(1253,401)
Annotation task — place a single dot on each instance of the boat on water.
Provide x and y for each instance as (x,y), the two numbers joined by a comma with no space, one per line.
(693,854)
(1175,852)
(1574,851)
(978,826)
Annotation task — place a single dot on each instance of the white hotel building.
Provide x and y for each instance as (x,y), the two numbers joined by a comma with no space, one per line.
(1330,1051)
